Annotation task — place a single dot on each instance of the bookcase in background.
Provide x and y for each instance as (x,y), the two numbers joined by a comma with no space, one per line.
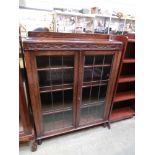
(123,105)
(75,22)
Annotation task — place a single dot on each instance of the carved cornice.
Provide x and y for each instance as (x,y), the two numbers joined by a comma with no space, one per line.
(49,46)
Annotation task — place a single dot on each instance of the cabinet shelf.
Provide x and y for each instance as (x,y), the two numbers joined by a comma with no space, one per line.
(93,102)
(58,107)
(91,66)
(56,88)
(61,109)
(54,68)
(124,96)
(95,83)
(121,113)
(129,60)
(131,40)
(124,79)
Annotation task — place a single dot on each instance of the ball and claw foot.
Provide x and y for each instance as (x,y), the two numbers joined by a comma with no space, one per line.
(104,125)
(39,142)
(34,146)
(108,125)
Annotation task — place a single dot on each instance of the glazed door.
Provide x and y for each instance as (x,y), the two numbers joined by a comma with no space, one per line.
(94,89)
(56,75)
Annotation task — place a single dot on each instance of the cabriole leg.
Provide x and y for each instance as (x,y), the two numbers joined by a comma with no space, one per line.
(34,146)
(104,125)
(108,125)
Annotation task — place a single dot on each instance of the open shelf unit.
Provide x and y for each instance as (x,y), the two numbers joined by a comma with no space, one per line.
(121,113)
(75,22)
(92,23)
(127,78)
(129,60)
(125,86)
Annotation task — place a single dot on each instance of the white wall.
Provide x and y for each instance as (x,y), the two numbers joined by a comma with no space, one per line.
(126,6)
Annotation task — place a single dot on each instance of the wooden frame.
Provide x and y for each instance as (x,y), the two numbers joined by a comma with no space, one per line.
(27,134)
(26,122)
(59,44)
(35,89)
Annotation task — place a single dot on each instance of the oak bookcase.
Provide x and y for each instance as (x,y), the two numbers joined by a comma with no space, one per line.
(71,80)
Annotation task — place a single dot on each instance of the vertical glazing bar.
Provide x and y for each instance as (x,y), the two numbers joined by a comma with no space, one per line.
(91,79)
(91,85)
(51,90)
(82,88)
(102,72)
(99,89)
(63,91)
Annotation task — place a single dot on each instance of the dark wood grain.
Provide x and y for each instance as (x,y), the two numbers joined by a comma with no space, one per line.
(129,61)
(79,91)
(67,35)
(121,113)
(27,133)
(112,81)
(34,91)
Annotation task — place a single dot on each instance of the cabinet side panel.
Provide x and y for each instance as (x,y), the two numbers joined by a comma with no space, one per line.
(24,113)
(112,82)
(34,92)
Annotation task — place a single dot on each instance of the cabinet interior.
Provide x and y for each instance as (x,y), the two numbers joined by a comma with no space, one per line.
(123,87)
(130,50)
(128,69)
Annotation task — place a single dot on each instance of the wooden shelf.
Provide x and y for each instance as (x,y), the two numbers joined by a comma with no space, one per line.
(124,79)
(95,83)
(123,101)
(47,110)
(56,108)
(91,66)
(93,102)
(56,88)
(129,60)
(124,96)
(131,40)
(121,113)
(54,68)
(56,111)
